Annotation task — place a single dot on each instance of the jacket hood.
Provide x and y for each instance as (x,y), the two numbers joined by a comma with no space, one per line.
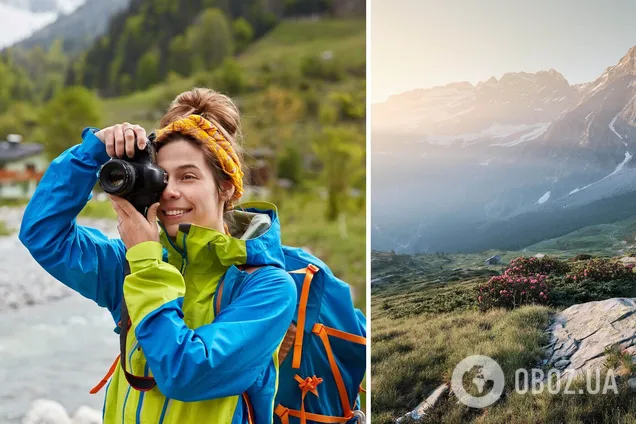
(254,240)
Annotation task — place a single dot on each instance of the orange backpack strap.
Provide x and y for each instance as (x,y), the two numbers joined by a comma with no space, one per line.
(324,333)
(102,383)
(309,272)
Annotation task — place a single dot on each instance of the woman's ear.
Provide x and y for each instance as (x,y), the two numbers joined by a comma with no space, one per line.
(227,191)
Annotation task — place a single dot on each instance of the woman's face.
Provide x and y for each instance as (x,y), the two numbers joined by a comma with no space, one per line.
(192,195)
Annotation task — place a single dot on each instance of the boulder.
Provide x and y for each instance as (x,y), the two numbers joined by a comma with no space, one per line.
(580,334)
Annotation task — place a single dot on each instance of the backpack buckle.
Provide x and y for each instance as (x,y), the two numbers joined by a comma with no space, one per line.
(359,416)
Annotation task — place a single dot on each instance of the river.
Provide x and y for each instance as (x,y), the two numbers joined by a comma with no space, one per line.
(54,344)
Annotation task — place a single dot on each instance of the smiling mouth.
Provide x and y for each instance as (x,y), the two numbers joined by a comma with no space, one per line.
(175,213)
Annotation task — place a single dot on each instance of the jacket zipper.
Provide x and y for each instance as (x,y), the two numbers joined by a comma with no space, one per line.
(141,396)
(184,255)
(123,412)
(163,411)
(184,262)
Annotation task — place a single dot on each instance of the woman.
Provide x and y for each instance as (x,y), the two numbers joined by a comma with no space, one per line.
(202,364)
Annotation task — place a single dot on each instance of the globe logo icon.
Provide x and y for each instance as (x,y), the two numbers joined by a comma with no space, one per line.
(486,373)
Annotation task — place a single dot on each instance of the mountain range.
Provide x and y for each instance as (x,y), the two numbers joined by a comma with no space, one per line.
(27,23)
(504,163)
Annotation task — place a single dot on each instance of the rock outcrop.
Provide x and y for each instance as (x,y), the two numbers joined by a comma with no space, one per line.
(581,333)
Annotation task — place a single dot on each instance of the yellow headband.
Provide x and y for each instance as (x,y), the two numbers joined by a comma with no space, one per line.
(200,128)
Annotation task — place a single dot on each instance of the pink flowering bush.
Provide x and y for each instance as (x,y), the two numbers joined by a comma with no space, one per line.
(525,281)
(532,266)
(596,279)
(553,282)
(601,270)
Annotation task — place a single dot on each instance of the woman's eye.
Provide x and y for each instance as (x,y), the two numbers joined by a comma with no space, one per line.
(188,177)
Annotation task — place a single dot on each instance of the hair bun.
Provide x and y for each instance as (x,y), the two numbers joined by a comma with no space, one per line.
(213,106)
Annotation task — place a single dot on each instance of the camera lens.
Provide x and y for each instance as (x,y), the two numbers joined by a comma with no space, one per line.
(117,177)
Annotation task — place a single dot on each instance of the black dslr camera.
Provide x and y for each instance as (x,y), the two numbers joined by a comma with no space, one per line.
(138,179)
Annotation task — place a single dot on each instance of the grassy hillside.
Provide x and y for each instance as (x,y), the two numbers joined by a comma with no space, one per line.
(274,61)
(427,318)
(283,106)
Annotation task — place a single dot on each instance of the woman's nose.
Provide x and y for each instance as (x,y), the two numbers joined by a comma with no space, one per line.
(170,192)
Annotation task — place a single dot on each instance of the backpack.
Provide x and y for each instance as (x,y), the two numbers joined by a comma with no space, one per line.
(322,359)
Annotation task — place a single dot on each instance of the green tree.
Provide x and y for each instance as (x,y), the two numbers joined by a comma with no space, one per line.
(148,69)
(290,164)
(19,119)
(65,116)
(210,39)
(180,56)
(230,78)
(126,84)
(341,151)
(243,33)
(22,88)
(6,83)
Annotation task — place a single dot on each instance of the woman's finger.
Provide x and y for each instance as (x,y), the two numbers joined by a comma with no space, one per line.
(109,141)
(141,136)
(122,212)
(120,216)
(127,207)
(152,214)
(120,142)
(129,136)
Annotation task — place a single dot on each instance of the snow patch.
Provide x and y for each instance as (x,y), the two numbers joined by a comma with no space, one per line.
(527,136)
(543,198)
(495,131)
(611,126)
(618,168)
(603,79)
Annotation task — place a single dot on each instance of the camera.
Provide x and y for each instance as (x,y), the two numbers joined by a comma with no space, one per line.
(138,179)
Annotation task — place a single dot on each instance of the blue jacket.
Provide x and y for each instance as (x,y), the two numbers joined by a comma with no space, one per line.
(201,363)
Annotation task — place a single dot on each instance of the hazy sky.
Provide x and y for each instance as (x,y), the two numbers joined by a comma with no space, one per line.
(424,43)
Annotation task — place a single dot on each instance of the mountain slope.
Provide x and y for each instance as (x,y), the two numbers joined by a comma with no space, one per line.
(604,118)
(44,6)
(78,29)
(504,163)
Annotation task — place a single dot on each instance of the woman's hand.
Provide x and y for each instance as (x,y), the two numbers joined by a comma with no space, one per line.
(133,227)
(120,139)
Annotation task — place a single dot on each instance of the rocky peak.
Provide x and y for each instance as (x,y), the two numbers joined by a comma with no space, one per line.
(627,64)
